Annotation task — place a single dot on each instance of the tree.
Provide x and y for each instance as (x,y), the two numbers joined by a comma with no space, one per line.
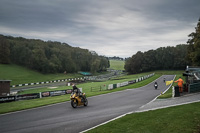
(134,65)
(193,54)
(4,51)
(95,65)
(40,61)
(127,65)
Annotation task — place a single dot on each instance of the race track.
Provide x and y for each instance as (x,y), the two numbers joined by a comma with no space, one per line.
(62,118)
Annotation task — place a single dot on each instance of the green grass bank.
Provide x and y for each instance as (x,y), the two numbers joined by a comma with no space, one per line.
(179,119)
(21,75)
(117,64)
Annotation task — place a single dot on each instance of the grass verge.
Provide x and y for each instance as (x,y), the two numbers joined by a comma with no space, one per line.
(179,119)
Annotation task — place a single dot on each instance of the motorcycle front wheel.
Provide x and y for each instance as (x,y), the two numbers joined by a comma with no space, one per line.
(74,104)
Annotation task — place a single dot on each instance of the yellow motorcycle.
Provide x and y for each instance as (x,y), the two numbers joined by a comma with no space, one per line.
(78,100)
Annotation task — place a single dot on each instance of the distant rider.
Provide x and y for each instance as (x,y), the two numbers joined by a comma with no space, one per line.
(164,79)
(156,85)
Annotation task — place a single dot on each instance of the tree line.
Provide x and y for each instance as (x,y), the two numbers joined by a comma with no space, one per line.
(167,58)
(163,58)
(49,56)
(115,58)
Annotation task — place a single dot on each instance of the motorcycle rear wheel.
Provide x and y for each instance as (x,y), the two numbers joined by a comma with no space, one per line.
(74,104)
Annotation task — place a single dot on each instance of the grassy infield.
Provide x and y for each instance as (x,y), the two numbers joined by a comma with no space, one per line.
(184,119)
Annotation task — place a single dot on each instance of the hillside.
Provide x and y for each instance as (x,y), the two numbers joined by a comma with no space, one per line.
(20,75)
(48,56)
(117,64)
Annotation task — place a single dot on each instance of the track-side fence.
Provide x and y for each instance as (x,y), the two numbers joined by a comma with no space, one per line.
(113,86)
(68,91)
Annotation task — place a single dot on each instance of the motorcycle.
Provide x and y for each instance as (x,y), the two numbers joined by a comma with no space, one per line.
(164,80)
(156,85)
(78,100)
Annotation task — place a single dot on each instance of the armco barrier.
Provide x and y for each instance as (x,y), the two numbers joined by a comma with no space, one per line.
(113,86)
(34,95)
(45,94)
(132,82)
(28,96)
(57,93)
(100,88)
(68,91)
(110,86)
(124,84)
(7,99)
(118,85)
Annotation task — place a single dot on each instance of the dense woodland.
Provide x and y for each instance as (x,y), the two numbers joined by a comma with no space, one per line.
(167,58)
(49,57)
(164,58)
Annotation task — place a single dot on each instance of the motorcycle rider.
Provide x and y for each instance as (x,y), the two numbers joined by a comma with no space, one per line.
(77,90)
(164,79)
(156,85)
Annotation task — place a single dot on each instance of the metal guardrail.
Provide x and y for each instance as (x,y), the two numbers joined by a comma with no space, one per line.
(113,86)
(34,95)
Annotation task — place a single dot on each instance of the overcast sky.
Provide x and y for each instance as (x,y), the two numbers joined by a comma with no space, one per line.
(109,27)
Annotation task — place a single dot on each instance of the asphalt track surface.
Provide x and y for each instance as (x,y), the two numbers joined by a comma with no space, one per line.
(62,118)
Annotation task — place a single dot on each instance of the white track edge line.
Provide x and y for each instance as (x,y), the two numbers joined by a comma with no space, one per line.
(167,106)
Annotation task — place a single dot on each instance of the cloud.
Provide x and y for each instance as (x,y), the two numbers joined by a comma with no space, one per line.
(111,28)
